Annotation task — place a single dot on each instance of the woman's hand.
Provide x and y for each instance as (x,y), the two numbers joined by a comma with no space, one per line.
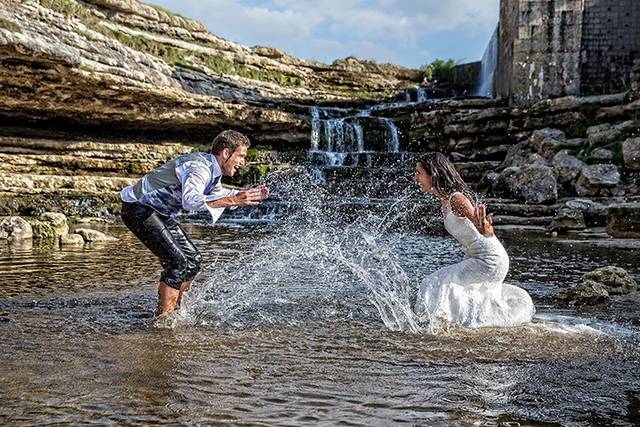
(482,221)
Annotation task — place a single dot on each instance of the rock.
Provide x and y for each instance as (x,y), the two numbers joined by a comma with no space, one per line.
(516,155)
(585,293)
(15,228)
(598,180)
(568,219)
(602,154)
(602,134)
(545,141)
(71,239)
(624,220)
(631,154)
(615,279)
(90,235)
(44,231)
(596,286)
(58,222)
(566,167)
(537,184)
(595,214)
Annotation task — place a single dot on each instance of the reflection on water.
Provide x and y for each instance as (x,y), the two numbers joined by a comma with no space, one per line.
(79,345)
(304,322)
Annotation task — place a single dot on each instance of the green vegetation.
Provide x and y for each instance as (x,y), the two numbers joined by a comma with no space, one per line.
(10,25)
(88,69)
(439,69)
(196,60)
(172,55)
(70,9)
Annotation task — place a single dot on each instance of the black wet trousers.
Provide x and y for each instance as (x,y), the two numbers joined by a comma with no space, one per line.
(164,237)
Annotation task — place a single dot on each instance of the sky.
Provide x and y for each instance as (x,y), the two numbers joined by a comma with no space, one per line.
(405,32)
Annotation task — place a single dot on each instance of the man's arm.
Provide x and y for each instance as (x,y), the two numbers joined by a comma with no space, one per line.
(243,198)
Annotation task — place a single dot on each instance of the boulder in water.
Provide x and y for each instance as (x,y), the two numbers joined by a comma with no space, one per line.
(615,279)
(15,228)
(623,220)
(90,235)
(568,219)
(71,239)
(58,222)
(596,286)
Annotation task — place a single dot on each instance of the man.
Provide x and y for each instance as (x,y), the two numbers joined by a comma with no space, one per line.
(190,182)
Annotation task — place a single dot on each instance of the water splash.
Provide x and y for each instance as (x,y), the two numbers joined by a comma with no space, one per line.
(314,255)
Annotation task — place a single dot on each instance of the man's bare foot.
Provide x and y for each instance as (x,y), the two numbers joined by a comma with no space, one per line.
(167,299)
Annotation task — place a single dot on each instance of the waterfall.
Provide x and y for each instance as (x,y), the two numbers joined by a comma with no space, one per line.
(393,142)
(340,141)
(488,68)
(421,95)
(315,128)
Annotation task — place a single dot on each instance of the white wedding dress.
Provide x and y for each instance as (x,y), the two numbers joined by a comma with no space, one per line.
(471,293)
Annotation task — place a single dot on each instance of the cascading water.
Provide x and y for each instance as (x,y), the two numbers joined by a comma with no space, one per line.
(487,70)
(421,95)
(340,141)
(393,141)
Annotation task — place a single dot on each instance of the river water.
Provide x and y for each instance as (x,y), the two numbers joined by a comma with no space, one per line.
(302,323)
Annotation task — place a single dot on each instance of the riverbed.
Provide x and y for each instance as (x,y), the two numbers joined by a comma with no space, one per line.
(274,333)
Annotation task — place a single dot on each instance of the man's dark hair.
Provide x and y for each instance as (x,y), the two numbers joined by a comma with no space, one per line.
(229,139)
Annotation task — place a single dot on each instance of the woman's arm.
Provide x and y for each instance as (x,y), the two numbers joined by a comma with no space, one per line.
(462,207)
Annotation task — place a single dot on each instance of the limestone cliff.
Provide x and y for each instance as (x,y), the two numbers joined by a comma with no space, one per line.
(133,66)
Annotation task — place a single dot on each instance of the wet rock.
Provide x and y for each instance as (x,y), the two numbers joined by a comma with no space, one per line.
(624,220)
(598,180)
(537,184)
(595,214)
(15,228)
(602,154)
(566,167)
(516,155)
(44,231)
(58,222)
(602,134)
(568,219)
(545,141)
(72,240)
(585,293)
(90,235)
(615,279)
(598,285)
(631,154)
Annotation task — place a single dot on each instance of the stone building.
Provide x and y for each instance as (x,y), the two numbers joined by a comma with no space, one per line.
(550,48)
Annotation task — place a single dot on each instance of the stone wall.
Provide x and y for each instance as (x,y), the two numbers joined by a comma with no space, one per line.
(610,43)
(546,49)
(551,48)
(507,34)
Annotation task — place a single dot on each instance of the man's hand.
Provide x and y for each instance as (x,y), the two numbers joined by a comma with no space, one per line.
(249,197)
(264,192)
(483,221)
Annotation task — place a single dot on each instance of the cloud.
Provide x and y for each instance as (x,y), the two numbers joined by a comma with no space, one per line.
(385,30)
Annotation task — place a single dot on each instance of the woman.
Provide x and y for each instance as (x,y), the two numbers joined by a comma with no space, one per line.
(470,293)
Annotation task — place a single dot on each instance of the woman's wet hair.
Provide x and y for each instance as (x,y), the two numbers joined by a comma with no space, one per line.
(444,176)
